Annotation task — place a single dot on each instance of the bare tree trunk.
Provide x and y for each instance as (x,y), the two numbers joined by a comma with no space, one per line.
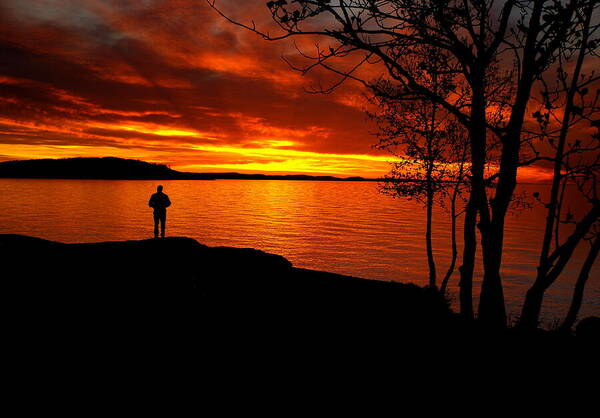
(584,274)
(561,199)
(430,191)
(468,260)
(532,306)
(492,310)
(453,215)
(477,198)
(430,259)
(559,259)
(462,158)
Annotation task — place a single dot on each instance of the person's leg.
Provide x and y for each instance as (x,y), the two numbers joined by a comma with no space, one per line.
(156,219)
(163,221)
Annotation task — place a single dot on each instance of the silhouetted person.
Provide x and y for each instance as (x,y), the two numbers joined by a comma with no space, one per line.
(159,202)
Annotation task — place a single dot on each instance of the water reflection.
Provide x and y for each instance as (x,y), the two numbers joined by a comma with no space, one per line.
(347,228)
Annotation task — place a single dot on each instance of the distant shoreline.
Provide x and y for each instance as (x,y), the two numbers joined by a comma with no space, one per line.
(111,168)
(205,177)
(245,177)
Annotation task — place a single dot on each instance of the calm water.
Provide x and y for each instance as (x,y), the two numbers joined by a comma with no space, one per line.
(343,227)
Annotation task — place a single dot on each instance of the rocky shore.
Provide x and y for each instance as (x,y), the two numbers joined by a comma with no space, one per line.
(181,288)
(177,282)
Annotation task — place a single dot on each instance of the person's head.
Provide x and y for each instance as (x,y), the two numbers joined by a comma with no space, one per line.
(159,189)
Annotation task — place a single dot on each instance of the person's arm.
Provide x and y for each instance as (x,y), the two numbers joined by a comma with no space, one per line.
(151,201)
(167,201)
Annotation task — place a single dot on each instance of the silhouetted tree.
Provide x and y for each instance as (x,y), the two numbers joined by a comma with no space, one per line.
(565,104)
(582,279)
(422,136)
(459,156)
(476,36)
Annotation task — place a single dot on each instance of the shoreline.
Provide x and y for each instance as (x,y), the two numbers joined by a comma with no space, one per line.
(177,280)
(249,177)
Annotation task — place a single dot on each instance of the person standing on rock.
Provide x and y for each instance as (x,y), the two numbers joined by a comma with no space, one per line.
(159,201)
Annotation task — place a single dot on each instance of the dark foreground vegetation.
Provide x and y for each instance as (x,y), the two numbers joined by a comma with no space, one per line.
(112,168)
(177,286)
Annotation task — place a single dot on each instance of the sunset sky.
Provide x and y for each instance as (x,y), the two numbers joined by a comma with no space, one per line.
(170,81)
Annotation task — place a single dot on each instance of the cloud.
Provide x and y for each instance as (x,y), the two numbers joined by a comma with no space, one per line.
(170,81)
(84,73)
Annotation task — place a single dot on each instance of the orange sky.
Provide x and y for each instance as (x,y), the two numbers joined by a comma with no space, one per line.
(169,81)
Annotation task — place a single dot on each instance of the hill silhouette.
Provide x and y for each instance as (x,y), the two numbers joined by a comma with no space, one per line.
(127,169)
(86,168)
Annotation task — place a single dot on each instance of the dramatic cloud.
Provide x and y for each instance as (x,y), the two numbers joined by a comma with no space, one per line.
(171,81)
(168,81)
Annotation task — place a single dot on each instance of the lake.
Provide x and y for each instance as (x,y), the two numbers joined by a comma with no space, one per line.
(342,227)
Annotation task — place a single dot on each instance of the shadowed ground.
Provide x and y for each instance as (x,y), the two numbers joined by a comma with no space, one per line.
(174,289)
(94,312)
(177,282)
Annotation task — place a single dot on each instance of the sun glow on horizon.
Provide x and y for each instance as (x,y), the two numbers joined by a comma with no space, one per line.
(198,100)
(158,131)
(262,154)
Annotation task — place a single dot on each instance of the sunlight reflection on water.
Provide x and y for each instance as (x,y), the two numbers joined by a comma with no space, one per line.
(343,227)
